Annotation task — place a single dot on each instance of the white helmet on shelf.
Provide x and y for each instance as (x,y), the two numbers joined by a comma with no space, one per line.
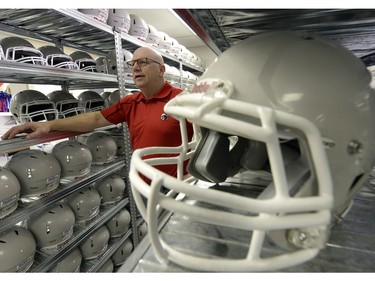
(138,27)
(111,189)
(84,61)
(119,18)
(282,108)
(96,244)
(75,159)
(103,147)
(37,171)
(175,48)
(31,105)
(119,223)
(10,189)
(85,204)
(153,36)
(66,104)
(96,14)
(21,50)
(17,249)
(168,73)
(71,263)
(165,42)
(52,228)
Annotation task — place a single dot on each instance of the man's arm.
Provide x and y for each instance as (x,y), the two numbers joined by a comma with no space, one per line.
(85,122)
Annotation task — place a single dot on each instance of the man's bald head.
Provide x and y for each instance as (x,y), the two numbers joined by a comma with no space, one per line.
(145,52)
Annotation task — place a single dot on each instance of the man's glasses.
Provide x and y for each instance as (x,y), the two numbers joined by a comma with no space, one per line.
(141,62)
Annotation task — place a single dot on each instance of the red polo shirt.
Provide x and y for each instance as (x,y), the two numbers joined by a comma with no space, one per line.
(147,122)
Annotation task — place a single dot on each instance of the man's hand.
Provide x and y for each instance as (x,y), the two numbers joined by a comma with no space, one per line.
(33,129)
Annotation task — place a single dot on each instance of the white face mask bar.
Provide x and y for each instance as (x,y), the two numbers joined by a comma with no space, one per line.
(35,56)
(53,60)
(309,215)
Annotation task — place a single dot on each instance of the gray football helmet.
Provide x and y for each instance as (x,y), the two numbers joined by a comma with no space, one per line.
(52,228)
(32,105)
(96,244)
(91,101)
(112,62)
(84,61)
(85,204)
(66,104)
(103,147)
(21,50)
(37,171)
(111,189)
(55,57)
(10,189)
(284,108)
(71,263)
(75,159)
(122,253)
(119,223)
(17,249)
(107,266)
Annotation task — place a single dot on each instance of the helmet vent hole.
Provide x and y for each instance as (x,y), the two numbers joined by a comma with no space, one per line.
(16,231)
(356,181)
(51,212)
(1,241)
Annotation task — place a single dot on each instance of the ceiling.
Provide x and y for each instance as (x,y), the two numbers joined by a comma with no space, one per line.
(222,28)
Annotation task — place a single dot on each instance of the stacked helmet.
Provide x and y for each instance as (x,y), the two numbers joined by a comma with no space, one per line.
(17,249)
(71,263)
(119,18)
(9,192)
(85,204)
(107,266)
(110,98)
(96,244)
(37,171)
(96,14)
(84,61)
(101,64)
(280,112)
(121,144)
(111,189)
(55,57)
(152,36)
(52,228)
(175,48)
(91,101)
(122,253)
(20,50)
(66,104)
(112,62)
(75,159)
(165,42)
(138,27)
(184,53)
(119,223)
(168,73)
(102,146)
(142,231)
(176,75)
(32,105)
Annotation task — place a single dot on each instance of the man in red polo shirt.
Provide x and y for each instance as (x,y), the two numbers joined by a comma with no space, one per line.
(144,112)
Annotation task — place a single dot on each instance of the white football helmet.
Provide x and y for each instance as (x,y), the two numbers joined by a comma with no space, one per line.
(96,14)
(71,263)
(91,101)
(273,102)
(119,223)
(75,159)
(10,189)
(111,189)
(52,228)
(165,42)
(85,204)
(57,58)
(21,50)
(102,146)
(168,73)
(122,253)
(32,105)
(119,18)
(66,104)
(152,36)
(138,27)
(37,171)
(84,61)
(17,249)
(175,48)
(96,244)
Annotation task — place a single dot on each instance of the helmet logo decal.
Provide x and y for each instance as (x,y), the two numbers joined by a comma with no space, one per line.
(164,116)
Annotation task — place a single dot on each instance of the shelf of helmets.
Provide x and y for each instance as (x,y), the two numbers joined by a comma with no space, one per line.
(76,30)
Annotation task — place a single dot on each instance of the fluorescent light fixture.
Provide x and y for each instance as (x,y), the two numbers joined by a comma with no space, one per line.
(182,21)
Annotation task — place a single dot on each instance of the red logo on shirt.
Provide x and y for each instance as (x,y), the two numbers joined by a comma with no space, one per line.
(164,116)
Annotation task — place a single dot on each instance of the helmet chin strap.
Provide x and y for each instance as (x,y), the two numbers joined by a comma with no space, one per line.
(214,161)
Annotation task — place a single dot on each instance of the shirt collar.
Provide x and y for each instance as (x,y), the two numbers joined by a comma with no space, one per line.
(163,94)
